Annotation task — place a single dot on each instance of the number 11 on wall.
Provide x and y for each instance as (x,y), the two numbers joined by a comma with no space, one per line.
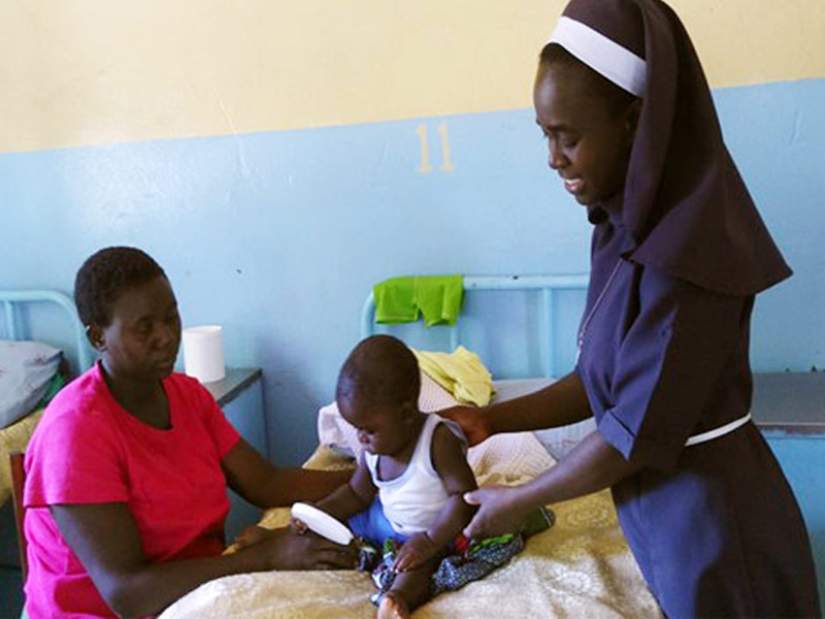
(446,163)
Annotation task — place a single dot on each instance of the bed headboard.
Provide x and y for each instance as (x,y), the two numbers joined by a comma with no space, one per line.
(23,308)
(551,329)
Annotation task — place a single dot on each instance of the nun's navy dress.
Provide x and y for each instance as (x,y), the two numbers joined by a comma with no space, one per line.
(714,527)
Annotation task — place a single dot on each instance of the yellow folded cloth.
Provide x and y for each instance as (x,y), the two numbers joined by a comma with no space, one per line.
(14,438)
(460,372)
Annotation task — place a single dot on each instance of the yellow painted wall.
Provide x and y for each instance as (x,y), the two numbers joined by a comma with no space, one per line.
(80,72)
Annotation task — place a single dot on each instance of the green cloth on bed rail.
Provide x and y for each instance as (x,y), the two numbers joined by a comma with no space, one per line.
(437,297)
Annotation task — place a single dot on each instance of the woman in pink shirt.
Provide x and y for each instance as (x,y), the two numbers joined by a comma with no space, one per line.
(126,474)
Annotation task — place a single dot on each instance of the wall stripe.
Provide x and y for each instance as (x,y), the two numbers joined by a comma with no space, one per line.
(278,236)
(86,72)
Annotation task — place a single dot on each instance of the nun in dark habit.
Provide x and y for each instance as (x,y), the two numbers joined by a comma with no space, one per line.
(678,253)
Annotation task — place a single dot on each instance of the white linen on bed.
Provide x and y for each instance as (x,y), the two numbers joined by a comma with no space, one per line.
(524,454)
(25,371)
(335,432)
(557,441)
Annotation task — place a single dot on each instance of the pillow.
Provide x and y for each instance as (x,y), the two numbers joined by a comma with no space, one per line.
(26,369)
(557,441)
(504,458)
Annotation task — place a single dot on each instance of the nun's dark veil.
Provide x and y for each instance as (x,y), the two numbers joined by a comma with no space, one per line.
(684,203)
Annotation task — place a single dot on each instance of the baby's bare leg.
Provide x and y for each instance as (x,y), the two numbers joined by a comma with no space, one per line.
(409,590)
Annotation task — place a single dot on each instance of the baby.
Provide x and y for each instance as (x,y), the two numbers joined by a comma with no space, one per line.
(409,481)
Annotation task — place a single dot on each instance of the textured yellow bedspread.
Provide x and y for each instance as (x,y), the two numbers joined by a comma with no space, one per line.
(14,438)
(581,567)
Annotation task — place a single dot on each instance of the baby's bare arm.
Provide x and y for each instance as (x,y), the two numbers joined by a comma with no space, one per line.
(450,463)
(352,497)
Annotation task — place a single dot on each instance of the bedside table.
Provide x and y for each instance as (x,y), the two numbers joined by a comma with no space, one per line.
(789,409)
(240,396)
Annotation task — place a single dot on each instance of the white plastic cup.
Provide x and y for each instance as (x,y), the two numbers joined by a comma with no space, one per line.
(203,353)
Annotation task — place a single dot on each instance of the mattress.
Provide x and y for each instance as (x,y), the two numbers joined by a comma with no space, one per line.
(14,438)
(581,567)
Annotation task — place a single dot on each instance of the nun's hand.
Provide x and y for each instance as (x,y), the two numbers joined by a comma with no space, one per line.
(473,421)
(500,511)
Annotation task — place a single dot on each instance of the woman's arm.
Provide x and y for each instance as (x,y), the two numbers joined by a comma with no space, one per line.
(562,403)
(591,466)
(106,540)
(259,482)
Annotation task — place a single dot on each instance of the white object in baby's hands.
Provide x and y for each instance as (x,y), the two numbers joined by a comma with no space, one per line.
(322,523)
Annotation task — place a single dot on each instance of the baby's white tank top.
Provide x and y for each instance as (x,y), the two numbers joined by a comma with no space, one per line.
(412,500)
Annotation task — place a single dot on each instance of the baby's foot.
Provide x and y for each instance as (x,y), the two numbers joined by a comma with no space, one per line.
(393,607)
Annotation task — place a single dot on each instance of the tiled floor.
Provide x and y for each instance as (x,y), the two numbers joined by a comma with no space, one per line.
(11,585)
(11,593)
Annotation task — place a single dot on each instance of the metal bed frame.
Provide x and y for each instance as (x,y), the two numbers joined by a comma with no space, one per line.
(548,285)
(12,299)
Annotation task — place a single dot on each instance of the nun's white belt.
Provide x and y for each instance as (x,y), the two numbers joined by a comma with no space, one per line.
(704,437)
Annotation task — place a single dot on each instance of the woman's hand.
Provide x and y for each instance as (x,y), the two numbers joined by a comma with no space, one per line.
(285,549)
(298,526)
(415,552)
(251,536)
(500,511)
(473,421)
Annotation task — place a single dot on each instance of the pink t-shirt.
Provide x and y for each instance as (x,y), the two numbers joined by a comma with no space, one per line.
(88,449)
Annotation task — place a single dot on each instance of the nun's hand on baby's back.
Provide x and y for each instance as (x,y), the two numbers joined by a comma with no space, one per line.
(472,419)
(286,549)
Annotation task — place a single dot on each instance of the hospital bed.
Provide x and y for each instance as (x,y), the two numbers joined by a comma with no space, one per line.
(50,318)
(580,567)
(40,323)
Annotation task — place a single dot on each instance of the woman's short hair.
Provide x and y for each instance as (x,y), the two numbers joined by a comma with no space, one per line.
(105,275)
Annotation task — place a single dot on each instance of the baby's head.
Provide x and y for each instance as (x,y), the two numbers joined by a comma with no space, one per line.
(377,393)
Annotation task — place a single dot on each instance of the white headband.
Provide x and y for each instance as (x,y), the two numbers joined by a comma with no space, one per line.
(616,63)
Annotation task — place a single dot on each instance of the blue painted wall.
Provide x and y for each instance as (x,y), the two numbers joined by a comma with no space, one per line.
(801,458)
(279,236)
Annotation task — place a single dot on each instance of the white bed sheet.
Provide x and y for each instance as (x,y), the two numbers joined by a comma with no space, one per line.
(557,441)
